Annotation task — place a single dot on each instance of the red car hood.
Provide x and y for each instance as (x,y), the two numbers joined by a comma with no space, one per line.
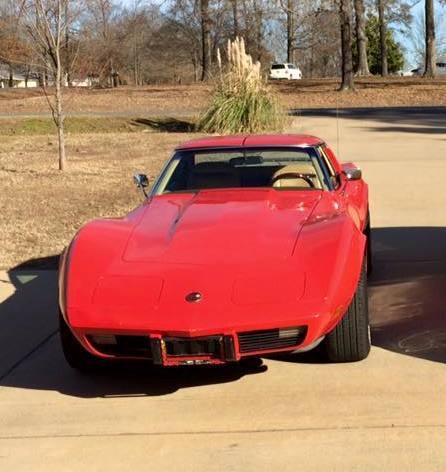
(259,257)
(220,226)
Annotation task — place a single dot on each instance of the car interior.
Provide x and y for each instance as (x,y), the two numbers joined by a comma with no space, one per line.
(191,173)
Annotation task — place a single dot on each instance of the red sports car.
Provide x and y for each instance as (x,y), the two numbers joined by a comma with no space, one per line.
(244,246)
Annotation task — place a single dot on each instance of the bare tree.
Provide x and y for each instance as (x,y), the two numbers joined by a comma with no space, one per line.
(163,40)
(383,37)
(184,24)
(416,32)
(66,46)
(235,19)
(345,13)
(258,28)
(361,38)
(205,38)
(133,29)
(99,31)
(46,22)
(291,30)
(105,9)
(14,50)
(429,69)
(289,8)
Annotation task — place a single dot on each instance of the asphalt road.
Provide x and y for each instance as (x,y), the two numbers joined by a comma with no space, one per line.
(386,413)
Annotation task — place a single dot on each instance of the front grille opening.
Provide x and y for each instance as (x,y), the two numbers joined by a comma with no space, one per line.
(252,341)
(122,345)
(185,347)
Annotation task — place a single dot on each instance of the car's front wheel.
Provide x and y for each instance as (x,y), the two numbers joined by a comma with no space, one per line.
(76,356)
(350,340)
(368,235)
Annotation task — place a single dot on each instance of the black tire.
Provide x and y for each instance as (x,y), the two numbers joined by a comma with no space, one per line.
(350,340)
(368,235)
(76,356)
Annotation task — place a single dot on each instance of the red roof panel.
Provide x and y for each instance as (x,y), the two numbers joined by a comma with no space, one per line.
(253,140)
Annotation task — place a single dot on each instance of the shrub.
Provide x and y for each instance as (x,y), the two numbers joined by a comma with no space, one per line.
(242,101)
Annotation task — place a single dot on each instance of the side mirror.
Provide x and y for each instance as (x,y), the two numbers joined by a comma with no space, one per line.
(142,182)
(351,172)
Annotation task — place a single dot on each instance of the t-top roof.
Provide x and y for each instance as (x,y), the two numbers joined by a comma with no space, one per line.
(263,140)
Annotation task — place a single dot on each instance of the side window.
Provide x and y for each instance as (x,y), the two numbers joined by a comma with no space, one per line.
(175,175)
(333,175)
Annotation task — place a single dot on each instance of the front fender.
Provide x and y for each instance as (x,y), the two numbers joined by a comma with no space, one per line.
(331,251)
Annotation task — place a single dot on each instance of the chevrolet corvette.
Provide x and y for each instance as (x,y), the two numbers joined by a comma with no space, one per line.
(243,246)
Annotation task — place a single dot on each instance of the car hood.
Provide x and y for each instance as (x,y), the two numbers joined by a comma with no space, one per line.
(220,226)
(257,257)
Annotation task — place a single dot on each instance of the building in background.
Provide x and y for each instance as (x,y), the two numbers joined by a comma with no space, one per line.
(18,79)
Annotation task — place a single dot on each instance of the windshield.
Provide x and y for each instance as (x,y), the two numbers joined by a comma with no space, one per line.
(293,168)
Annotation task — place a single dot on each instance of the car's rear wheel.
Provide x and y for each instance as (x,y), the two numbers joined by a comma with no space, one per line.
(76,356)
(350,340)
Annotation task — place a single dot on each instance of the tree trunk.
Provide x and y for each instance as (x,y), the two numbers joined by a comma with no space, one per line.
(235,18)
(67,49)
(383,38)
(115,78)
(59,117)
(430,67)
(195,62)
(290,30)
(135,61)
(258,14)
(61,139)
(345,12)
(11,77)
(205,38)
(361,39)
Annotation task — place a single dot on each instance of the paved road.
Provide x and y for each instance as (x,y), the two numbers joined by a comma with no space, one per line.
(386,413)
(431,117)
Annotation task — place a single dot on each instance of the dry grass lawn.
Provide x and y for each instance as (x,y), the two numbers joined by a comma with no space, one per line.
(42,208)
(149,100)
(189,100)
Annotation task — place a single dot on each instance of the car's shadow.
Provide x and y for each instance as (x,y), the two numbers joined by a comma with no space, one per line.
(407,300)
(407,294)
(47,370)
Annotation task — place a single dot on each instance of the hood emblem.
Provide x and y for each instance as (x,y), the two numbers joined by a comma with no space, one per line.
(194,297)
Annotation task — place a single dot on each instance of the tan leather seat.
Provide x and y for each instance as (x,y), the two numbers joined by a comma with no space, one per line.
(284,176)
(213,175)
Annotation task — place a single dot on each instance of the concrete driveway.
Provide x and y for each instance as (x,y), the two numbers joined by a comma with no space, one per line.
(386,413)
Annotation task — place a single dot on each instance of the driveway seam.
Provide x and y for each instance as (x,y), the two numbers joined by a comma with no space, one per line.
(27,355)
(223,432)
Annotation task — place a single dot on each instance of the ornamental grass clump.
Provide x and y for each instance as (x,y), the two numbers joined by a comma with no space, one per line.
(242,101)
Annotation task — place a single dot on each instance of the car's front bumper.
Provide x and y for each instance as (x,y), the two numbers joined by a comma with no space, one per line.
(167,350)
